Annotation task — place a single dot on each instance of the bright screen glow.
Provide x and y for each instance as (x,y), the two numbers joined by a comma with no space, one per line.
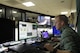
(26,30)
(22,30)
(56,32)
(45,34)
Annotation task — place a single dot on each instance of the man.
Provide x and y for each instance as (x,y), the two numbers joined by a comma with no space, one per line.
(70,41)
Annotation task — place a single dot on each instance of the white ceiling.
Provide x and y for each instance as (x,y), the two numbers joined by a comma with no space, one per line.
(49,7)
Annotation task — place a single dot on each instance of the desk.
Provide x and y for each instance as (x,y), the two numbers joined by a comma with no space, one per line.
(20,48)
(24,48)
(3,49)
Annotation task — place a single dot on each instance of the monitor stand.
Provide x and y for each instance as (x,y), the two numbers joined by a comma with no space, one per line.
(24,41)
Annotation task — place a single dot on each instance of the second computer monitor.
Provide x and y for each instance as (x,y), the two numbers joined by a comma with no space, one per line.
(44,35)
(56,32)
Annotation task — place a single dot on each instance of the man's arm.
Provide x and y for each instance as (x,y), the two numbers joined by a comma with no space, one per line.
(53,50)
(68,41)
(62,51)
(55,39)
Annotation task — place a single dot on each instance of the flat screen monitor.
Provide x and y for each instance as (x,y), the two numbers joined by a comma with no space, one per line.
(26,30)
(22,30)
(56,32)
(7,30)
(44,20)
(34,30)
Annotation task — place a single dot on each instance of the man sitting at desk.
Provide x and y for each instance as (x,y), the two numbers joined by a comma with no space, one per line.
(70,41)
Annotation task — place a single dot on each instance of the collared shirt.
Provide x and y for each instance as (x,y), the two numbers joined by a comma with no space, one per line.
(70,40)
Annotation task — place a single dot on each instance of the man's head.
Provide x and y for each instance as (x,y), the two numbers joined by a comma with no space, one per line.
(60,21)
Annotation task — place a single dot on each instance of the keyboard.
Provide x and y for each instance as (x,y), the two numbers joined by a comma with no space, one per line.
(14,43)
(54,44)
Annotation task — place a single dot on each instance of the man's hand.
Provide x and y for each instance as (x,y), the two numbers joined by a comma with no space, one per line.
(55,39)
(49,47)
(63,51)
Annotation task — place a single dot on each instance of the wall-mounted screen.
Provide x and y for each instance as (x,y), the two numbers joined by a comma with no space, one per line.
(44,20)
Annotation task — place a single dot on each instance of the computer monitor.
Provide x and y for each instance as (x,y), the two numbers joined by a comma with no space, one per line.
(56,32)
(34,30)
(44,20)
(26,30)
(7,30)
(45,35)
(22,30)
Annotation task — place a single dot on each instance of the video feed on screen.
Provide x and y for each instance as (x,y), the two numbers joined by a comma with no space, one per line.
(44,20)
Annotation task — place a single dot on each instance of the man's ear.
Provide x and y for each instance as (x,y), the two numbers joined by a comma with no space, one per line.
(62,23)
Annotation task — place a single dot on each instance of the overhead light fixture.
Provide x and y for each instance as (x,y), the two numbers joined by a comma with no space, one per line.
(14,11)
(64,12)
(28,4)
(0,10)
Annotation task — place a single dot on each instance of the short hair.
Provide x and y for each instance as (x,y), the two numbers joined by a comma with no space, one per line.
(63,18)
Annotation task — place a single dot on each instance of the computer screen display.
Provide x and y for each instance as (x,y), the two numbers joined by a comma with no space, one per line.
(22,30)
(26,30)
(45,35)
(44,20)
(7,30)
(34,30)
(31,30)
(56,32)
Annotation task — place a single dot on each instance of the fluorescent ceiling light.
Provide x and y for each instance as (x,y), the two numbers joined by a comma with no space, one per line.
(0,10)
(14,11)
(64,12)
(28,4)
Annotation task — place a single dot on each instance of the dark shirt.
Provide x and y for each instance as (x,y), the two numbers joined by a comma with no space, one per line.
(70,40)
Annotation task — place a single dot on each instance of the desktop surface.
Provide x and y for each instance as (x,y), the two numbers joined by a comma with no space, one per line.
(35,47)
(20,47)
(24,48)
(40,45)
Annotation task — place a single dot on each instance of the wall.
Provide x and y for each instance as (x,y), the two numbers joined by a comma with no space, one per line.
(78,16)
(73,6)
(73,17)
